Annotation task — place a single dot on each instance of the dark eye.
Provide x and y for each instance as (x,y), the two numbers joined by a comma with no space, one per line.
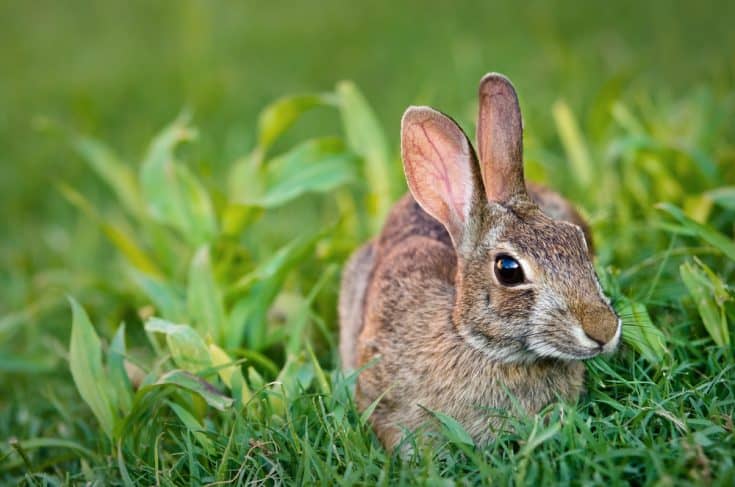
(508,270)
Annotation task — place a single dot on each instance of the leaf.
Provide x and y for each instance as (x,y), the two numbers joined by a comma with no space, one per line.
(366,138)
(725,196)
(536,439)
(204,298)
(452,429)
(116,368)
(112,171)
(298,322)
(709,294)
(321,377)
(248,316)
(297,375)
(187,348)
(85,362)
(277,117)
(190,382)
(316,166)
(640,333)
(124,243)
(168,301)
(705,232)
(193,425)
(174,196)
(273,120)
(232,375)
(574,145)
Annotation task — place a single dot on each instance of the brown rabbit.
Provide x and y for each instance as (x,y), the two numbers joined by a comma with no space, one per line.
(473,297)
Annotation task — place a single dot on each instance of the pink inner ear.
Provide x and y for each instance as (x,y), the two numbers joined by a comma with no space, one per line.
(437,160)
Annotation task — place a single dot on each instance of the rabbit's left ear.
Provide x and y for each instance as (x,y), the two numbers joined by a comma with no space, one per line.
(441,169)
(500,140)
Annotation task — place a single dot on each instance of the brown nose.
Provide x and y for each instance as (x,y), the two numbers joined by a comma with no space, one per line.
(599,323)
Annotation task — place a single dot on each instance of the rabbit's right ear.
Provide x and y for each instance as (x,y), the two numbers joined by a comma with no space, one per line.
(500,139)
(440,166)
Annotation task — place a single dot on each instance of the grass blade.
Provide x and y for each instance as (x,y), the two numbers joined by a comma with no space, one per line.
(204,299)
(366,138)
(705,232)
(709,294)
(640,333)
(85,362)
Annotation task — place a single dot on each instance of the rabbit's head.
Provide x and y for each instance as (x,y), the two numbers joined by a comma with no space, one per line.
(525,287)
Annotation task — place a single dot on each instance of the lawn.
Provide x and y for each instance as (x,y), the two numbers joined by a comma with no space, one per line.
(181,183)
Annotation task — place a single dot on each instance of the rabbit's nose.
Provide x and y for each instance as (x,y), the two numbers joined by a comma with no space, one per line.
(599,323)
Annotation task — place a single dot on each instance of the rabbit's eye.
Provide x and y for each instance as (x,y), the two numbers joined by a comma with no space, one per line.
(508,270)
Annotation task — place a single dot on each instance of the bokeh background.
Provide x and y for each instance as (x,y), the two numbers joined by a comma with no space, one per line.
(121,71)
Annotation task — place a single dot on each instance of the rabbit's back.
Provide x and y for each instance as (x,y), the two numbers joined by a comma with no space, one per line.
(406,221)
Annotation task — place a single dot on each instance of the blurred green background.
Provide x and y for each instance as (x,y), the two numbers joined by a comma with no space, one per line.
(121,71)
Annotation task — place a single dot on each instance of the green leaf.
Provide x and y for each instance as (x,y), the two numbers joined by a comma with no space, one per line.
(297,324)
(725,196)
(174,196)
(232,375)
(315,166)
(122,240)
(193,425)
(366,138)
(537,437)
(116,368)
(187,347)
(192,383)
(204,298)
(273,120)
(705,232)
(709,294)
(112,171)
(168,301)
(277,117)
(85,362)
(452,429)
(321,377)
(259,288)
(640,333)
(573,142)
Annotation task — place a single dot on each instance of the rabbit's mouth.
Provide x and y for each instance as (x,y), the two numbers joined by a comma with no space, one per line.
(570,344)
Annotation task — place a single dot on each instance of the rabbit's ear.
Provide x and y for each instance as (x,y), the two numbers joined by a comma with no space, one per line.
(440,167)
(500,139)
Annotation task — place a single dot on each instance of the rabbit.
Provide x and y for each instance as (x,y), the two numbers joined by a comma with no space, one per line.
(479,294)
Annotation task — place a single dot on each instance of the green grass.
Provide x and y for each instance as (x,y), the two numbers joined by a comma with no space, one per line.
(203,165)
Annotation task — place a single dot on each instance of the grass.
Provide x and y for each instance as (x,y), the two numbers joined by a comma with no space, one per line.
(200,253)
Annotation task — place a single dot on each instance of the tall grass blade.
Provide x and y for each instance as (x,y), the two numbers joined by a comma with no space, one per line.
(111,170)
(119,380)
(85,362)
(640,333)
(125,243)
(573,142)
(204,298)
(705,232)
(174,196)
(366,138)
(709,294)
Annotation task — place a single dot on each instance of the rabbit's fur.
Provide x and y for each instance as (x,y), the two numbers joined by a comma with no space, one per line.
(423,299)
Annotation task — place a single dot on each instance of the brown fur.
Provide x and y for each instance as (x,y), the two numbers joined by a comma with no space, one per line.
(425,303)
